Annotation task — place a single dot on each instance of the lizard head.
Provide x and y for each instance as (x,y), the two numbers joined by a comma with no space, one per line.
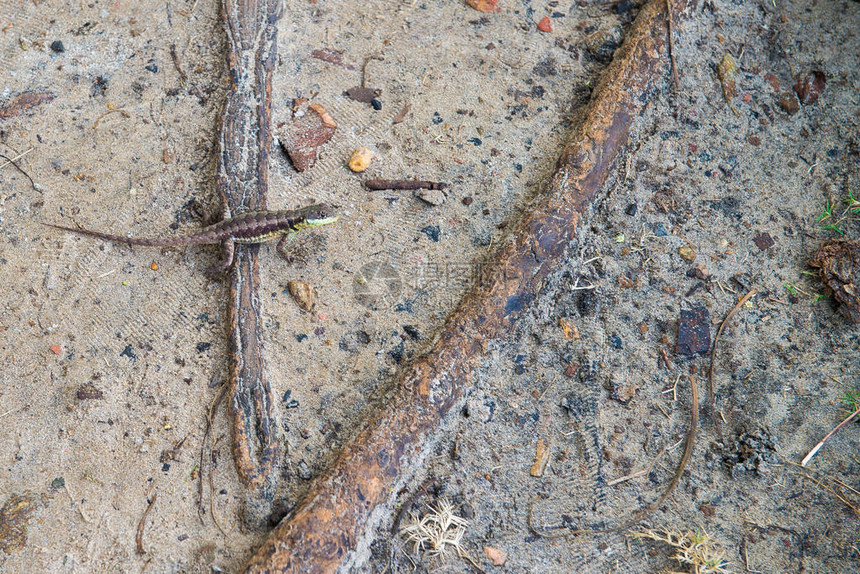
(314,216)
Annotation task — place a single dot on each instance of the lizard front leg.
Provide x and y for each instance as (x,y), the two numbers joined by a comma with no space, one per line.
(282,246)
(217,270)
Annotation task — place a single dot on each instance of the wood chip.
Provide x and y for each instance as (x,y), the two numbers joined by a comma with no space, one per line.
(541,458)
(569,328)
(303,139)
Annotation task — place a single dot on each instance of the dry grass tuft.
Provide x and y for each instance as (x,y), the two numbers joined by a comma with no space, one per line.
(438,530)
(695,549)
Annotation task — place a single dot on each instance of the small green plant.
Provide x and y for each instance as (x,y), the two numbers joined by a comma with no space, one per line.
(790,288)
(853,204)
(827,213)
(852,400)
(838,219)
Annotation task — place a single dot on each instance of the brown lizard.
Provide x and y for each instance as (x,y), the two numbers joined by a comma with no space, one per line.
(250,227)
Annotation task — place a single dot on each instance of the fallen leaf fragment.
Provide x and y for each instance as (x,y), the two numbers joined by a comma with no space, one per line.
(545,25)
(23,102)
(332,57)
(484,5)
(88,392)
(541,458)
(361,94)
(810,86)
(303,293)
(497,556)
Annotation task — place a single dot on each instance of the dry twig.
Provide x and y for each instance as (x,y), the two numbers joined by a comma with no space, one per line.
(835,430)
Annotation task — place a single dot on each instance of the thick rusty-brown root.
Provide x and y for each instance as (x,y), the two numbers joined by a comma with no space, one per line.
(242,181)
(332,527)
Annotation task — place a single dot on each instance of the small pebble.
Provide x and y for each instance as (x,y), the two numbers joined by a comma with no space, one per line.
(57,46)
(303,293)
(467,201)
(431,231)
(360,159)
(687,253)
(377,105)
(432,196)
(152,68)
(497,556)
(304,471)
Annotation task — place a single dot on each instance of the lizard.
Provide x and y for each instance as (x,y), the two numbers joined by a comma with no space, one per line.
(245,228)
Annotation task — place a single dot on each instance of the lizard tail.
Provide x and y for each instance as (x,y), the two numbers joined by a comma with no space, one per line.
(117,238)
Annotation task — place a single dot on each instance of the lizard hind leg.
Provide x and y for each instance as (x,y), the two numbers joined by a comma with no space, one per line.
(282,247)
(226,261)
(206,215)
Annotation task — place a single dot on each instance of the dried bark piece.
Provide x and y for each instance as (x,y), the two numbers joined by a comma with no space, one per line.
(308,132)
(838,264)
(694,331)
(23,102)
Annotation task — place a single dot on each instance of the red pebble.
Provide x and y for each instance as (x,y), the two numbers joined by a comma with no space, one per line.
(544,25)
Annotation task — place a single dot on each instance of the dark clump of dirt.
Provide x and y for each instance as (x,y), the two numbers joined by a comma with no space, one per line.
(750,452)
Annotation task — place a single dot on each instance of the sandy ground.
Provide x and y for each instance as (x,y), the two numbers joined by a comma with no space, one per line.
(110,356)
